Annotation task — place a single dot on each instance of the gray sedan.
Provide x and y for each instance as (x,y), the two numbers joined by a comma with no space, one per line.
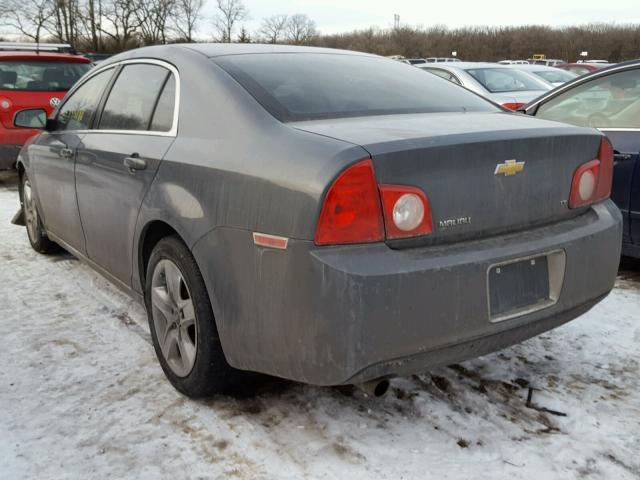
(499,83)
(325,216)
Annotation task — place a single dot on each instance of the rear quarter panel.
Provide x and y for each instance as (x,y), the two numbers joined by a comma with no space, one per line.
(234,165)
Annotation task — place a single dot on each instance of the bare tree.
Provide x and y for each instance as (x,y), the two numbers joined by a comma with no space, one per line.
(27,17)
(65,22)
(120,22)
(300,29)
(230,12)
(243,36)
(91,17)
(186,17)
(273,28)
(153,20)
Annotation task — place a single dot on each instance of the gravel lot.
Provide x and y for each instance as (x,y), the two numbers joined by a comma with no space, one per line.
(82,396)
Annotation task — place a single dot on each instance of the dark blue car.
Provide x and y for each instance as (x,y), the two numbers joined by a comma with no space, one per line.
(609,100)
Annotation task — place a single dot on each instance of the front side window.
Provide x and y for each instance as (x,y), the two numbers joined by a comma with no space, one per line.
(307,86)
(500,80)
(40,76)
(609,101)
(132,99)
(78,111)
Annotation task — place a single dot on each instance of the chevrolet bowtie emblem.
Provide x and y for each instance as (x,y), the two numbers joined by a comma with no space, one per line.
(509,168)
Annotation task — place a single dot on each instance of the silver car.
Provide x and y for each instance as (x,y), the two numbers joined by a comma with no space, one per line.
(553,75)
(499,83)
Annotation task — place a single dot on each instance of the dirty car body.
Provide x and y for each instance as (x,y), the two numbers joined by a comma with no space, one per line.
(283,173)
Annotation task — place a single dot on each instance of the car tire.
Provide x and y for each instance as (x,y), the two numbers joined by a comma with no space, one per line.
(32,220)
(183,328)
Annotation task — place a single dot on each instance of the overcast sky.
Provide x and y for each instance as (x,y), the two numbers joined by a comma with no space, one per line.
(333,16)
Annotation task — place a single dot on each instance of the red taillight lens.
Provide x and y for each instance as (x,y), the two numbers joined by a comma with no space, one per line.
(351,211)
(592,180)
(407,212)
(513,106)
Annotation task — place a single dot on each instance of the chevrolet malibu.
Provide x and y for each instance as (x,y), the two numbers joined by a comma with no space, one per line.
(324,216)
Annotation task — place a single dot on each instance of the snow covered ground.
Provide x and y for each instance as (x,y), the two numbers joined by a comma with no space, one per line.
(82,396)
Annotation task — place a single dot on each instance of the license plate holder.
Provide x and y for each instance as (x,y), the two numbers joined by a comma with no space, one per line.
(523,285)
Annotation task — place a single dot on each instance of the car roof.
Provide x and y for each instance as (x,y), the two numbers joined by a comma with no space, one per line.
(42,56)
(220,49)
(528,66)
(463,65)
(590,64)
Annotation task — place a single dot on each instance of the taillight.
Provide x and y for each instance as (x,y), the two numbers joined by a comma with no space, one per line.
(513,106)
(592,180)
(351,211)
(357,210)
(407,212)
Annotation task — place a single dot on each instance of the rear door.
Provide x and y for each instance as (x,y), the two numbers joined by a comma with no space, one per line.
(119,158)
(52,159)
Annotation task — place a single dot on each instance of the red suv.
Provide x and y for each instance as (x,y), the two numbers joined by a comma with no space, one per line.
(32,76)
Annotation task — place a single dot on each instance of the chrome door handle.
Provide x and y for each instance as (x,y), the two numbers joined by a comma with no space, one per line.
(135,163)
(66,153)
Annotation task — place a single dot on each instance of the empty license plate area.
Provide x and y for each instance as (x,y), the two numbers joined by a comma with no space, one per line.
(524,285)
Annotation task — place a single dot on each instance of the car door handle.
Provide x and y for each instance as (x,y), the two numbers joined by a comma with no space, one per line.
(66,153)
(135,163)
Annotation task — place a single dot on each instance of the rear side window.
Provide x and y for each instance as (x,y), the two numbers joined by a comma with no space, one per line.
(40,76)
(77,112)
(163,116)
(132,99)
(443,74)
(307,86)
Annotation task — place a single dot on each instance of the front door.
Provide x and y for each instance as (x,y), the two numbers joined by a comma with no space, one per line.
(52,161)
(118,159)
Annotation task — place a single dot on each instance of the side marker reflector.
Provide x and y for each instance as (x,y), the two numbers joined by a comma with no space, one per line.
(272,241)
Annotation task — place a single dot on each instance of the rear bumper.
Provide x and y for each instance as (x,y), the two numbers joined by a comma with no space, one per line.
(346,314)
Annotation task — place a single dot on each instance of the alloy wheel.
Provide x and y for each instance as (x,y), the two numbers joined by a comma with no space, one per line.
(174,317)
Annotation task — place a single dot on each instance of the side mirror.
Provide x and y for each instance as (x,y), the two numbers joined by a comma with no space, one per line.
(31,118)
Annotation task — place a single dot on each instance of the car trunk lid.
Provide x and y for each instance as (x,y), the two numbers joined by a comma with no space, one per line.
(484,174)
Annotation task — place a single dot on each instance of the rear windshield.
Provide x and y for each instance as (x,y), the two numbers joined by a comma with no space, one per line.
(40,76)
(499,80)
(559,76)
(300,86)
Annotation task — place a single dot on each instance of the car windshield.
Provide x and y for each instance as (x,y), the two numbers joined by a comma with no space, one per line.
(297,86)
(40,76)
(500,80)
(611,101)
(552,76)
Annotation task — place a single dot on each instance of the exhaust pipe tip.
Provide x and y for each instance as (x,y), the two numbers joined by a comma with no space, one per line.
(374,388)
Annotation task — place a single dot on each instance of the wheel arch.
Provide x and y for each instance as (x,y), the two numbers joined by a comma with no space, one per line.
(151,234)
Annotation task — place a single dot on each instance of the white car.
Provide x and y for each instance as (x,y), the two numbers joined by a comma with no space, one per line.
(501,84)
(513,62)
